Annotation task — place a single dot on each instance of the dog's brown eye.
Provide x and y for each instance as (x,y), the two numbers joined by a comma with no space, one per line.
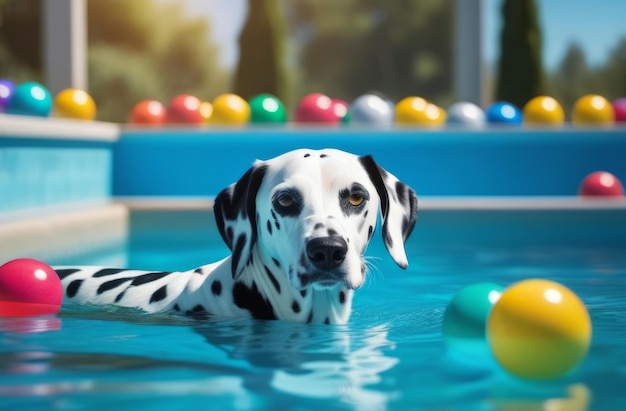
(356,199)
(285,201)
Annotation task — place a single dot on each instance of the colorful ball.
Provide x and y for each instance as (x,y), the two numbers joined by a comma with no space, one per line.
(416,110)
(316,108)
(539,329)
(601,184)
(340,108)
(371,109)
(466,114)
(206,111)
(503,113)
(29,287)
(149,112)
(184,109)
(467,313)
(543,110)
(7,88)
(74,103)
(230,109)
(266,108)
(619,106)
(30,99)
(593,109)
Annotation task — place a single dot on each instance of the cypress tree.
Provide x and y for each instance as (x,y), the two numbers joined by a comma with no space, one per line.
(520,70)
(261,66)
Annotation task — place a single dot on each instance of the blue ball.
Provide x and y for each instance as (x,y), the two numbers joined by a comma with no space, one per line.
(371,109)
(31,99)
(504,113)
(6,92)
(466,114)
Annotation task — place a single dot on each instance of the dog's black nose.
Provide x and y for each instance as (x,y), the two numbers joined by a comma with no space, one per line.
(327,253)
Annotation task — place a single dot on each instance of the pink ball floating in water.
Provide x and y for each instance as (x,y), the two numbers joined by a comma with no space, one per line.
(601,184)
(29,287)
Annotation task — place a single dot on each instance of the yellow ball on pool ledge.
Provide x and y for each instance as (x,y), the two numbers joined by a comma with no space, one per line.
(74,103)
(593,109)
(539,329)
(230,109)
(418,111)
(543,110)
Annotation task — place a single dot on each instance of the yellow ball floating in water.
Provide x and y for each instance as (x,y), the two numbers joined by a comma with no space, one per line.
(543,110)
(74,103)
(230,109)
(593,109)
(539,329)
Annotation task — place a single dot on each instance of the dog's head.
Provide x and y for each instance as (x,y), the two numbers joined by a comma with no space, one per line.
(313,214)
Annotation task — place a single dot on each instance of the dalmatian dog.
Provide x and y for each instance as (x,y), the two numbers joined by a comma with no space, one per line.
(297,225)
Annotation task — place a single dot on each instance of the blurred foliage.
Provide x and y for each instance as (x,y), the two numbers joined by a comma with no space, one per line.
(520,68)
(261,67)
(137,49)
(350,47)
(575,78)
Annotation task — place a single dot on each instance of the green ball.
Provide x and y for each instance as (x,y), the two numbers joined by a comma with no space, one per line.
(266,108)
(467,313)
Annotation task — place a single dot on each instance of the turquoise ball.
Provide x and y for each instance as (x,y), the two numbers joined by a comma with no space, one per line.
(466,314)
(30,99)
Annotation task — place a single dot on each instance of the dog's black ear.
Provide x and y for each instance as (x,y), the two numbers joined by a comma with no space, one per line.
(398,205)
(235,214)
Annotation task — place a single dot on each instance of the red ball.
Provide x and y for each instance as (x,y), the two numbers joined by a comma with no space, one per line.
(29,287)
(147,112)
(316,108)
(601,184)
(184,109)
(619,107)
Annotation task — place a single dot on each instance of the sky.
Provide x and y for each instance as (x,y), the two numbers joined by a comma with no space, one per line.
(596,25)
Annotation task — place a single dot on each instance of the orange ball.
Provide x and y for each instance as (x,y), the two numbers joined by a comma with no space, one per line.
(543,110)
(147,112)
(74,103)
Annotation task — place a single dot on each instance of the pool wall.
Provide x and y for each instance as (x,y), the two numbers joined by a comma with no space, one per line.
(448,162)
(56,188)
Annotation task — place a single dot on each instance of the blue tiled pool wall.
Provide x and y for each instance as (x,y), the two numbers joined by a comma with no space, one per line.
(493,162)
(51,174)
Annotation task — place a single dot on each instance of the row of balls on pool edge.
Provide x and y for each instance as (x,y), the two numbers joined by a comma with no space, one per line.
(32,98)
(535,329)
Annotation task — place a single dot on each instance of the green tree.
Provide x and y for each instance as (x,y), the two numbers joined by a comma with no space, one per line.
(347,48)
(520,69)
(261,67)
(571,79)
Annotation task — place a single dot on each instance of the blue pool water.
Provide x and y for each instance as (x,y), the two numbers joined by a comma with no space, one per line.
(390,356)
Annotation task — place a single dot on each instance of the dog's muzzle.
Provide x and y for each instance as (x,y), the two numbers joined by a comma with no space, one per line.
(326,254)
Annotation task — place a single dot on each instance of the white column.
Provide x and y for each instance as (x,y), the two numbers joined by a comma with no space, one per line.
(64,44)
(468,56)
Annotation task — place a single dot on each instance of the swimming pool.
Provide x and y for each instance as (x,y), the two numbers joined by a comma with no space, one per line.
(390,356)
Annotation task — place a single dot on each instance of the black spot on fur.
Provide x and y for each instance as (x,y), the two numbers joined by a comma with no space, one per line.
(73,288)
(67,272)
(249,298)
(109,285)
(276,262)
(269,227)
(198,311)
(309,319)
(370,231)
(216,287)
(332,232)
(176,308)
(199,271)
(295,307)
(318,226)
(323,155)
(120,296)
(366,213)
(273,279)
(149,277)
(327,320)
(303,292)
(307,155)
(342,297)
(276,223)
(107,271)
(159,295)
(237,250)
